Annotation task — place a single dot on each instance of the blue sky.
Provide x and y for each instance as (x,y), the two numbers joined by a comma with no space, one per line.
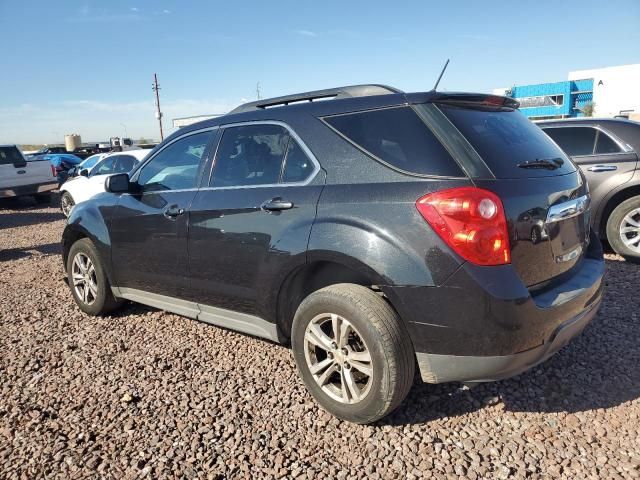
(87,66)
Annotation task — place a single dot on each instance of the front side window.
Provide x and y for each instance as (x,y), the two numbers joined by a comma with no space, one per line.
(250,155)
(575,141)
(105,167)
(398,137)
(176,166)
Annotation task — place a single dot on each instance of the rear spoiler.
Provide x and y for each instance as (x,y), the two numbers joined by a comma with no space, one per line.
(471,100)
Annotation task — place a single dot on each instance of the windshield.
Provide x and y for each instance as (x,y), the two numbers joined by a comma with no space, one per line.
(91,161)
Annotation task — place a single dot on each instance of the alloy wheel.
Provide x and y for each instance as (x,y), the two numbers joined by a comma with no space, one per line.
(83,274)
(338,358)
(630,230)
(66,204)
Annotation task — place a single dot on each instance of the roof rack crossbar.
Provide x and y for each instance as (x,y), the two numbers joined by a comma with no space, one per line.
(339,92)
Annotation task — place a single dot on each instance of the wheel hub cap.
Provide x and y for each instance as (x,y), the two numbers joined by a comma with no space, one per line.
(83,274)
(630,230)
(338,358)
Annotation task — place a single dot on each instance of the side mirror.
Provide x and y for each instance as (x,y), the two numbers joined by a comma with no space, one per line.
(118,183)
(84,172)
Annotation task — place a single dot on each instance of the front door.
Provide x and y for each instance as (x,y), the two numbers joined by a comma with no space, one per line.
(252,221)
(149,227)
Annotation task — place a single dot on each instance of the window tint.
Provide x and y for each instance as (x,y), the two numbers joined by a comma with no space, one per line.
(398,137)
(105,167)
(250,155)
(10,155)
(175,167)
(606,144)
(124,163)
(574,140)
(298,166)
(505,139)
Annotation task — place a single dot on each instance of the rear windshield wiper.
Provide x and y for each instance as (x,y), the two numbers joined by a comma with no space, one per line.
(547,163)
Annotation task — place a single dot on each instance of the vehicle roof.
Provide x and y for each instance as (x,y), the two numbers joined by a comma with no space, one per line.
(138,154)
(9,145)
(340,100)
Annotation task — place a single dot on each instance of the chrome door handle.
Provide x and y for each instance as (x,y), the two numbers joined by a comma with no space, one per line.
(602,168)
(173,212)
(276,204)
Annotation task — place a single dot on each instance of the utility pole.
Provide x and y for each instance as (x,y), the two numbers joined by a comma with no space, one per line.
(258,90)
(155,88)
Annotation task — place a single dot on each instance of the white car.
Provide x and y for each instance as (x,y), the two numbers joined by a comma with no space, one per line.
(90,182)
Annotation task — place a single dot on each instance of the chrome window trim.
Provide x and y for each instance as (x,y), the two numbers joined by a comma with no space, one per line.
(625,148)
(296,137)
(568,209)
(143,164)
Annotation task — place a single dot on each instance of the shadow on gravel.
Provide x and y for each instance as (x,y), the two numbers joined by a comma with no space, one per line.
(17,253)
(25,212)
(598,370)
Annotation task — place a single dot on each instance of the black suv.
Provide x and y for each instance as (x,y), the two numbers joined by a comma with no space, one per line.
(374,230)
(606,150)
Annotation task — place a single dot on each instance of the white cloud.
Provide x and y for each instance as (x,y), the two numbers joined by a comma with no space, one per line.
(166,11)
(306,33)
(134,9)
(97,120)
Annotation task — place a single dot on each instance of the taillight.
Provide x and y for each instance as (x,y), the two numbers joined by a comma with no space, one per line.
(53,170)
(471,221)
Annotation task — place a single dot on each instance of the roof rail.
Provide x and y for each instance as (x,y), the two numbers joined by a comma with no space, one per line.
(329,93)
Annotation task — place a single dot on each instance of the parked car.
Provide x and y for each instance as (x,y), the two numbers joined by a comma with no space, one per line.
(607,152)
(19,177)
(82,152)
(90,180)
(374,231)
(86,164)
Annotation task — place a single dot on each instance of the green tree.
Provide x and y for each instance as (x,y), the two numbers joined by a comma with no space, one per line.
(588,108)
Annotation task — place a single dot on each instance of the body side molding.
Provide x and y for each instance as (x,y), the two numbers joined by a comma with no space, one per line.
(239,322)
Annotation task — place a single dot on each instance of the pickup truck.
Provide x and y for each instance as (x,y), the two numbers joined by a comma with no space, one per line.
(19,177)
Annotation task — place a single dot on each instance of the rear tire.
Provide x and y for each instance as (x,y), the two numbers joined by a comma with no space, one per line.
(367,369)
(88,282)
(66,203)
(623,229)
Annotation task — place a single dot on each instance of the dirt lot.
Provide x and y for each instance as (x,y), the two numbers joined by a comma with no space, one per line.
(146,393)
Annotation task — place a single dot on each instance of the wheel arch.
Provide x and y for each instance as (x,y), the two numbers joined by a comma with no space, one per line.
(627,192)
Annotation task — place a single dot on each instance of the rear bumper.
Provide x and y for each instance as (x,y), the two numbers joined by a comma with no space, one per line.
(484,324)
(28,189)
(436,368)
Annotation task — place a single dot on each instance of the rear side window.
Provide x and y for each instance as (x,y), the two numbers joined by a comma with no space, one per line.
(10,155)
(397,137)
(297,166)
(605,144)
(575,141)
(505,139)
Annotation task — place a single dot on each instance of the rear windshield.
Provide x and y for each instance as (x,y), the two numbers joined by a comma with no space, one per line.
(506,139)
(399,138)
(10,155)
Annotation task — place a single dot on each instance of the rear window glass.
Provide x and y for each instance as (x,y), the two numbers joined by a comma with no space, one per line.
(10,155)
(398,137)
(505,139)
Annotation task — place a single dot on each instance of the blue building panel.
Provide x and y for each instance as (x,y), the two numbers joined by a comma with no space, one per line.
(554,100)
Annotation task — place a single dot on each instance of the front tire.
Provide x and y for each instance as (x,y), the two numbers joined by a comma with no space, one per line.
(353,352)
(88,282)
(623,229)
(66,203)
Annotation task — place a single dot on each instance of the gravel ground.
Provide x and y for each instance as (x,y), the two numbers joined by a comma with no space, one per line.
(147,393)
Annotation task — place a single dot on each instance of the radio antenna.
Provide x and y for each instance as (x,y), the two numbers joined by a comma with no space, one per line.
(440,77)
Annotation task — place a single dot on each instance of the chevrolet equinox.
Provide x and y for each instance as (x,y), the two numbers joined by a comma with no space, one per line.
(377,232)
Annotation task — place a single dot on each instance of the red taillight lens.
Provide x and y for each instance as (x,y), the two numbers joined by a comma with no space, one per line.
(53,171)
(471,221)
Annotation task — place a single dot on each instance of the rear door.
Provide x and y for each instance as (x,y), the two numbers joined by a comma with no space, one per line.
(252,220)
(149,226)
(606,161)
